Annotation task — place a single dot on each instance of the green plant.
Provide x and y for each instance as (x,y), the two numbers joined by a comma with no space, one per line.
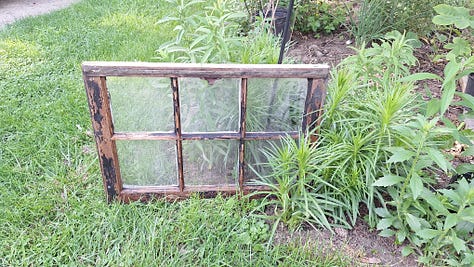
(460,58)
(214,34)
(439,225)
(376,17)
(315,16)
(366,102)
(52,206)
(295,194)
(414,212)
(371,21)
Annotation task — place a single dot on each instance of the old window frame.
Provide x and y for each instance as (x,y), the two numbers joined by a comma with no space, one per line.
(95,80)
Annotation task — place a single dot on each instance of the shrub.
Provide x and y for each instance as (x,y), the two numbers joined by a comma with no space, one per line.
(376,17)
(214,34)
(319,16)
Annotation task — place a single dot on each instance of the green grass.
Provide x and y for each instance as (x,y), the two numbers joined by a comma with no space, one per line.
(52,206)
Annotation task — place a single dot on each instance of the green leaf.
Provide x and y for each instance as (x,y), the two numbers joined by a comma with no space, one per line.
(438,158)
(467,215)
(401,236)
(450,71)
(386,233)
(451,220)
(382,212)
(416,185)
(464,168)
(399,154)
(459,16)
(420,76)
(468,152)
(384,223)
(459,47)
(432,107)
(458,243)
(434,202)
(452,195)
(406,251)
(424,161)
(388,180)
(449,87)
(468,259)
(467,100)
(413,222)
(428,233)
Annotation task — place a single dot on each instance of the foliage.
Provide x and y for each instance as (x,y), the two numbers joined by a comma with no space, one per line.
(439,225)
(374,149)
(52,206)
(214,34)
(295,186)
(370,23)
(365,105)
(316,16)
(460,58)
(414,212)
(376,17)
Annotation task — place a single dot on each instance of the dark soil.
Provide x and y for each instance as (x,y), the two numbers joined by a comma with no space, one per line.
(361,243)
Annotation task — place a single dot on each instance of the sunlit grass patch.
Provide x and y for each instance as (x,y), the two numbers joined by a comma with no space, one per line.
(52,206)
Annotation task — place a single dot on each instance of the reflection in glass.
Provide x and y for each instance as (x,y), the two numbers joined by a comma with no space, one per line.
(275,105)
(209,106)
(210,162)
(141,104)
(147,162)
(256,159)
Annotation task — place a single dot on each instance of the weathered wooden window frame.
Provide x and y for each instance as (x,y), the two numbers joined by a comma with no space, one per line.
(95,73)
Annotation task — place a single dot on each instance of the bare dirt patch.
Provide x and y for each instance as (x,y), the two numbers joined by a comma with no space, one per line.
(364,246)
(328,49)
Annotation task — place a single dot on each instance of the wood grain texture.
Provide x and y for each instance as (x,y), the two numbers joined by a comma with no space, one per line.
(105,136)
(313,106)
(146,194)
(242,130)
(177,131)
(209,71)
(101,117)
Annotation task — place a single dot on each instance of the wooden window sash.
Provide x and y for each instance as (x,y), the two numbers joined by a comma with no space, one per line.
(95,73)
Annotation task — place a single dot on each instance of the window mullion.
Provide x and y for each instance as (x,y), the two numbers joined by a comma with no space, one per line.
(177,131)
(242,131)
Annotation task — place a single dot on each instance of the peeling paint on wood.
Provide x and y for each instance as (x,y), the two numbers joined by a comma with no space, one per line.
(95,73)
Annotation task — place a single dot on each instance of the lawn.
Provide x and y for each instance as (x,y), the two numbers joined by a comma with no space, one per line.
(52,205)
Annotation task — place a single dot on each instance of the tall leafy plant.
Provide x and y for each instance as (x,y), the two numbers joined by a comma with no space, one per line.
(366,102)
(213,33)
(374,18)
(460,58)
(438,225)
(297,194)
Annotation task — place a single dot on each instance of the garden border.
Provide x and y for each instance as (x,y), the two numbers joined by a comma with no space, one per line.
(95,73)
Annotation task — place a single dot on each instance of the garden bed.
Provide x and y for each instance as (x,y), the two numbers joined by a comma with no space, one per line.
(364,245)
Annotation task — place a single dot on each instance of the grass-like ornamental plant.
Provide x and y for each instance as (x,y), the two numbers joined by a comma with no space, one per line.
(297,196)
(376,148)
(365,104)
(374,18)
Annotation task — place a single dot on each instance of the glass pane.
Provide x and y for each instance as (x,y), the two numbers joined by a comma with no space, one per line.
(256,160)
(141,104)
(209,106)
(275,105)
(210,162)
(147,162)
